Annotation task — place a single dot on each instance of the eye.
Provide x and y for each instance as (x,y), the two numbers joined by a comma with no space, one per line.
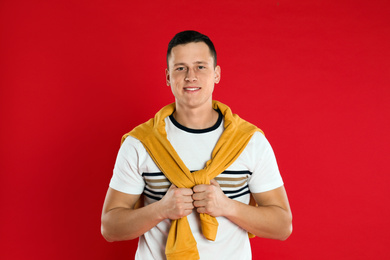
(201,67)
(180,69)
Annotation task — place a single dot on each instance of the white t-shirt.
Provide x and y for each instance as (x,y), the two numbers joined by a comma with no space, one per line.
(254,171)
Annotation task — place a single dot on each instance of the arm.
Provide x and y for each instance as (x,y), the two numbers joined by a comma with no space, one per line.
(120,221)
(272,217)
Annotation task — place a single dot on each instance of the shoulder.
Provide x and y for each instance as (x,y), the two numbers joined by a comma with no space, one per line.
(259,141)
(258,149)
(130,141)
(131,146)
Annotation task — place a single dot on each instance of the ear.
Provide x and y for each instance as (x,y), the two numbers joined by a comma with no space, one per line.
(217,74)
(167,77)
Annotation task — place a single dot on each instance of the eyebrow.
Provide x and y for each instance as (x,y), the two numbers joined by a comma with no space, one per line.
(183,64)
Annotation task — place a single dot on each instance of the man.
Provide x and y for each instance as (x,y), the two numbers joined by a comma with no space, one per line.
(196,166)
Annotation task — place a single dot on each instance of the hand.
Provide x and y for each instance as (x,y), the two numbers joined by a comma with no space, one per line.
(210,199)
(177,202)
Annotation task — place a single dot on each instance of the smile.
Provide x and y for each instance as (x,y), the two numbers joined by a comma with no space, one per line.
(191,89)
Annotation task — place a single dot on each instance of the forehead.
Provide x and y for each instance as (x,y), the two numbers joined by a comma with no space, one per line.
(190,53)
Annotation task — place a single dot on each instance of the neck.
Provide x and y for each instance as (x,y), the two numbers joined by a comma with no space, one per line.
(200,118)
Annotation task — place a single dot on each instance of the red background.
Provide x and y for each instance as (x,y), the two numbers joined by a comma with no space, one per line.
(76,75)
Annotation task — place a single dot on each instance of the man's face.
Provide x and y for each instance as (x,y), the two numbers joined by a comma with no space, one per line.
(191,75)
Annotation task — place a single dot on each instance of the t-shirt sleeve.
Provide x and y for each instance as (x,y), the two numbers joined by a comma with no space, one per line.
(265,174)
(126,176)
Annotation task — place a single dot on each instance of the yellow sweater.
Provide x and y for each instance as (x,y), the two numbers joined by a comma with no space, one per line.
(181,243)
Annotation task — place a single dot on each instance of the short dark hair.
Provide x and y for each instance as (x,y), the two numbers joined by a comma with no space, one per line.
(188,37)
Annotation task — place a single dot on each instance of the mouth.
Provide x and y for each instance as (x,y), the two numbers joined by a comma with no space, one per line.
(191,88)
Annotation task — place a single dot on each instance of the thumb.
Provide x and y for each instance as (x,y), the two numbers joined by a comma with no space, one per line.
(214,182)
(173,186)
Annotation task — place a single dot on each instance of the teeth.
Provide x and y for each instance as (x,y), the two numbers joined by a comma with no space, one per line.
(191,89)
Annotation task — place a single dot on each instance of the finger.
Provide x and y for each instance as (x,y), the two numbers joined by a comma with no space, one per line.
(199,188)
(186,191)
(187,212)
(198,196)
(198,204)
(201,210)
(189,206)
(214,182)
(187,199)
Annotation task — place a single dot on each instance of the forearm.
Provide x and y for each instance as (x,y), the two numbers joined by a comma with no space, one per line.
(263,221)
(120,221)
(124,223)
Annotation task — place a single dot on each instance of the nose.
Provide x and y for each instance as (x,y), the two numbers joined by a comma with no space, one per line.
(191,75)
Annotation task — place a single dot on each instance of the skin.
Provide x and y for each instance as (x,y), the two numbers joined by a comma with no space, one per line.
(191,75)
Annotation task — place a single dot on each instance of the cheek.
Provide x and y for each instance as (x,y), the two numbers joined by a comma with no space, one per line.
(176,84)
(210,82)
(176,79)
(175,87)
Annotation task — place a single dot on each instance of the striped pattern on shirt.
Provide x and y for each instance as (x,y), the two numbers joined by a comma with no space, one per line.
(233,183)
